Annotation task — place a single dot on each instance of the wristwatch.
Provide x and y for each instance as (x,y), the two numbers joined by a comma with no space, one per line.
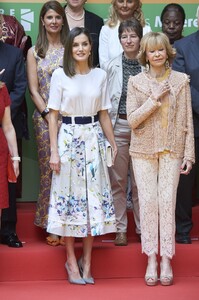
(44,112)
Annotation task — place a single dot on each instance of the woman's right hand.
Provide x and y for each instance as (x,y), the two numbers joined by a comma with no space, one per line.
(160,89)
(55,163)
(16,167)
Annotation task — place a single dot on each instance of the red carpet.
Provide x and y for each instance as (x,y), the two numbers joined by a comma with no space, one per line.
(36,271)
(111,289)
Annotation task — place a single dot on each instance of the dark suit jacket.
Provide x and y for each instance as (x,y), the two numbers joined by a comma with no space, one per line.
(11,59)
(187,61)
(94,24)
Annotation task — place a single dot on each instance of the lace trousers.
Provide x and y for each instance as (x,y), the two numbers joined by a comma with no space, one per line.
(157,182)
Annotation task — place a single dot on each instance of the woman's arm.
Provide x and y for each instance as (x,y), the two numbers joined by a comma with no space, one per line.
(107,127)
(10,135)
(53,130)
(189,155)
(33,83)
(138,113)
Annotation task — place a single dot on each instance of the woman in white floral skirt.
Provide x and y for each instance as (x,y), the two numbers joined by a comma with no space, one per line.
(81,203)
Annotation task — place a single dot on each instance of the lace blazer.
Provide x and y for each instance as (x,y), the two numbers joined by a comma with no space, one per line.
(144,117)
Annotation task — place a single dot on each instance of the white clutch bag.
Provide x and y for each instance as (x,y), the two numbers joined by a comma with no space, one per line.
(109,154)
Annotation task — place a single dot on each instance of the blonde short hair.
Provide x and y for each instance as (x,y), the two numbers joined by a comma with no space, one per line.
(152,40)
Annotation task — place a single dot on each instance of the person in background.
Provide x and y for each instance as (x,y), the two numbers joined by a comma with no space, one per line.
(8,143)
(187,61)
(173,18)
(13,34)
(78,16)
(118,71)
(81,203)
(120,10)
(110,47)
(159,113)
(14,76)
(42,60)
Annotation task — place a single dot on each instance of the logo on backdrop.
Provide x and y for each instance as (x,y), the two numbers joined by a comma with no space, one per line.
(26,16)
(27,19)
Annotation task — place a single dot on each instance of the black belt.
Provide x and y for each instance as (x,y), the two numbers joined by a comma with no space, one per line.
(80,120)
(123,116)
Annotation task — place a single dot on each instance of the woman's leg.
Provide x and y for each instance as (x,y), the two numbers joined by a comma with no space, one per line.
(146,175)
(71,264)
(169,172)
(145,171)
(118,177)
(86,257)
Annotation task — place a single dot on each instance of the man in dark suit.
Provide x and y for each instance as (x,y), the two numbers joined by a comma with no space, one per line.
(14,75)
(187,61)
(94,24)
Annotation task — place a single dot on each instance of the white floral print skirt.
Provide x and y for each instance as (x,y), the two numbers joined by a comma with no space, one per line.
(81,201)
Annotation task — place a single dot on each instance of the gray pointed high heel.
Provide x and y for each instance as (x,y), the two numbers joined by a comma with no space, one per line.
(73,281)
(89,280)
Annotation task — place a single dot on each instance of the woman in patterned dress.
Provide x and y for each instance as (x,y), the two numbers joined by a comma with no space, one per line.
(81,203)
(8,142)
(42,60)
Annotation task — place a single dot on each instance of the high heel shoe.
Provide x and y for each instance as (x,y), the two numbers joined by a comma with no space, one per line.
(89,280)
(166,278)
(73,281)
(151,276)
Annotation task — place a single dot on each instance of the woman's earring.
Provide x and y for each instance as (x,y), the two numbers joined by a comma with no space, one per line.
(147,67)
(167,64)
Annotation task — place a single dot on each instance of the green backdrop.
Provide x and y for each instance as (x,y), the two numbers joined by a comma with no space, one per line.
(28,15)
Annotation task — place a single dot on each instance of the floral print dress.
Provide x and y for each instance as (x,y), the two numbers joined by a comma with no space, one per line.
(45,68)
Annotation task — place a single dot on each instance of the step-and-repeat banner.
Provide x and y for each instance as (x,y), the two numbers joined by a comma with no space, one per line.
(27,13)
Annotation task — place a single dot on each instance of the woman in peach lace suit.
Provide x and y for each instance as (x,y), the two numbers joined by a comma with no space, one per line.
(162,147)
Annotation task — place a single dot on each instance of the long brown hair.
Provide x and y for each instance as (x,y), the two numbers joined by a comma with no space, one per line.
(42,41)
(68,60)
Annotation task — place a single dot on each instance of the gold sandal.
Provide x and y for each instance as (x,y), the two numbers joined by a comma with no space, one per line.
(151,278)
(166,279)
(52,240)
(62,241)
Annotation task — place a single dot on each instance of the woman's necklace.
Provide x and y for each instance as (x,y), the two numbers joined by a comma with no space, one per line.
(75,19)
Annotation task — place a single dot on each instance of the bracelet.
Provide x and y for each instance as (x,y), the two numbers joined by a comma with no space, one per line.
(16,158)
(53,151)
(44,112)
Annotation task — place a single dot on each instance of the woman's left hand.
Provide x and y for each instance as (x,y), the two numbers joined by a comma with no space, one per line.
(186,167)
(114,148)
